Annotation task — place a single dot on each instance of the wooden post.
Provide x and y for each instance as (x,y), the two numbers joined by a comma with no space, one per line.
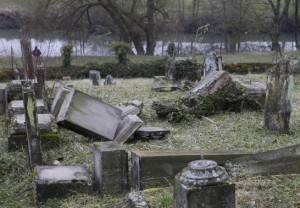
(40,89)
(34,144)
(278,97)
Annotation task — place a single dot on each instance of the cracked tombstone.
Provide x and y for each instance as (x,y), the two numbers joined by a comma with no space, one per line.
(95,76)
(279,94)
(203,184)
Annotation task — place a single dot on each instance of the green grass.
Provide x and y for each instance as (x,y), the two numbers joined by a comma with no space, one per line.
(230,131)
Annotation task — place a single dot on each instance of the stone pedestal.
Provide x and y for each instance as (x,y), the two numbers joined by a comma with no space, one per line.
(110,168)
(202,184)
(57,181)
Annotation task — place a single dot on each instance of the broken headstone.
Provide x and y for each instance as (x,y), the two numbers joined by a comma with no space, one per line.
(94,75)
(210,63)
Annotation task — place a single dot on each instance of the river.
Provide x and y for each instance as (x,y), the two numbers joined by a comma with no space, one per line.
(94,46)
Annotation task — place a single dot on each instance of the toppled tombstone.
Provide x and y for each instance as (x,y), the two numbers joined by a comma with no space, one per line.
(60,96)
(280,161)
(127,127)
(216,92)
(17,107)
(257,90)
(58,181)
(151,133)
(17,139)
(95,76)
(88,116)
(109,80)
(134,107)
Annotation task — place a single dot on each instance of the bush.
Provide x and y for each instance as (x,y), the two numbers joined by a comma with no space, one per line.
(66,52)
(171,49)
(187,69)
(121,51)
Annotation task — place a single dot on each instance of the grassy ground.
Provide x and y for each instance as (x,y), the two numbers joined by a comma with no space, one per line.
(234,131)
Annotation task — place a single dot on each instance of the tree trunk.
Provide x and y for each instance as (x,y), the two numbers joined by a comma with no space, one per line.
(297,24)
(150,28)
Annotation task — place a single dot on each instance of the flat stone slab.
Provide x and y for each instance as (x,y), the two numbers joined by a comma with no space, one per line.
(127,127)
(49,132)
(61,94)
(17,107)
(149,133)
(57,181)
(89,116)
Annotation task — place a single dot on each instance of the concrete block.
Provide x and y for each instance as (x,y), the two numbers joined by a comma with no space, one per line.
(110,168)
(57,181)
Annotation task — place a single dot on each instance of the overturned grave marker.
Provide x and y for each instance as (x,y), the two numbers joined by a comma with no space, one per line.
(127,127)
(281,161)
(88,116)
(58,181)
(153,169)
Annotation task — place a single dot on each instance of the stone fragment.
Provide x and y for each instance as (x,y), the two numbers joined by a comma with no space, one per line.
(110,168)
(88,116)
(152,169)
(127,110)
(58,181)
(109,80)
(151,133)
(280,161)
(127,127)
(203,184)
(136,200)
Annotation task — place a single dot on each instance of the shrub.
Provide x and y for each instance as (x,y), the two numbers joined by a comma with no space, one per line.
(66,52)
(121,51)
(187,69)
(171,49)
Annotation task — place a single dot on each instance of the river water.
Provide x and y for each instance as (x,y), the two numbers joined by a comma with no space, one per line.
(95,46)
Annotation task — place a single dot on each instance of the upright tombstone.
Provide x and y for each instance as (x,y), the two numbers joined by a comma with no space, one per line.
(34,144)
(210,63)
(109,80)
(203,184)
(110,168)
(40,87)
(278,97)
(95,77)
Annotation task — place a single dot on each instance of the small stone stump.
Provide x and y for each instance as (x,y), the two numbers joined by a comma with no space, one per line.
(109,80)
(202,184)
(279,94)
(95,76)
(57,181)
(110,168)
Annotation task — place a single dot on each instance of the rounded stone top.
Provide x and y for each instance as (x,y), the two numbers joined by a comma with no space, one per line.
(202,173)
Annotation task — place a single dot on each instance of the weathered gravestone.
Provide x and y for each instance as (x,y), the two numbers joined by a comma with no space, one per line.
(60,97)
(109,80)
(40,91)
(17,107)
(279,94)
(110,168)
(95,76)
(86,115)
(152,169)
(203,184)
(13,90)
(32,131)
(212,63)
(2,98)
(58,181)
(281,161)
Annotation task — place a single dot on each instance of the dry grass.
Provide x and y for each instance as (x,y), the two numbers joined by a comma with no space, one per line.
(235,131)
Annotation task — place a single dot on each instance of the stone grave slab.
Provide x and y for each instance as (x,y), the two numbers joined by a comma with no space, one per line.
(152,169)
(127,127)
(49,132)
(57,181)
(151,133)
(285,160)
(89,116)
(17,107)
(110,168)
(61,94)
(128,110)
